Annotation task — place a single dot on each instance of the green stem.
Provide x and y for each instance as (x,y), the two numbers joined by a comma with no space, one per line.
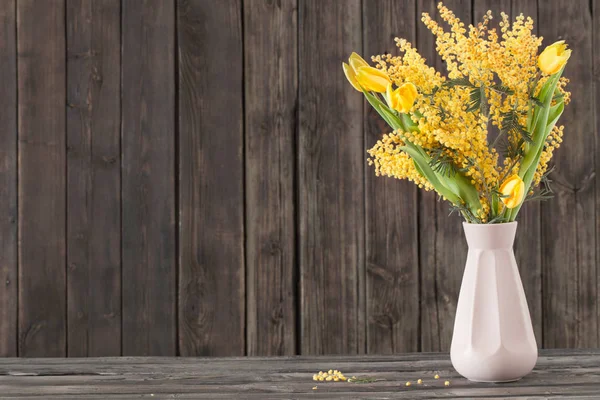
(542,129)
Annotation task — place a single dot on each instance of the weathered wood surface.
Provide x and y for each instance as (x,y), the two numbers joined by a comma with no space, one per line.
(41,182)
(560,374)
(93,178)
(8,180)
(211,178)
(331,181)
(188,177)
(148,178)
(392,239)
(271,88)
(570,272)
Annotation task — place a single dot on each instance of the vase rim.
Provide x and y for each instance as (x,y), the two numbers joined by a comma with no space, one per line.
(487,225)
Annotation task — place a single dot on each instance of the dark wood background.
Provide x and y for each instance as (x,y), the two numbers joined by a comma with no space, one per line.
(189,178)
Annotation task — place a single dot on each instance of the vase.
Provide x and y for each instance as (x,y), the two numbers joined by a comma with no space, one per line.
(493,338)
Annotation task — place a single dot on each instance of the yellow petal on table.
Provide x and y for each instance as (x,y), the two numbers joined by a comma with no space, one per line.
(372,79)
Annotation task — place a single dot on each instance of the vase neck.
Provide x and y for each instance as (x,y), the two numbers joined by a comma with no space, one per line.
(490,236)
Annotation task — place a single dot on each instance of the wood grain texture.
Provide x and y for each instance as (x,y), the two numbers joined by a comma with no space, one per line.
(568,237)
(42,162)
(558,375)
(271,92)
(148,178)
(391,209)
(596,84)
(331,187)
(443,249)
(211,168)
(8,180)
(93,178)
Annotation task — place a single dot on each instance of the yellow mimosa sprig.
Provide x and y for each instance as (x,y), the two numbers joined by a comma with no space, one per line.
(440,123)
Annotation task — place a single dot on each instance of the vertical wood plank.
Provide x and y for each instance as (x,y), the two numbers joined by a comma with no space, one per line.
(271,85)
(211,203)
(568,220)
(596,84)
(527,243)
(331,171)
(443,249)
(392,209)
(41,123)
(148,178)
(8,180)
(93,178)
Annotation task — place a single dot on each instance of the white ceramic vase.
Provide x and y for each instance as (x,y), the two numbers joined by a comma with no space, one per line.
(493,338)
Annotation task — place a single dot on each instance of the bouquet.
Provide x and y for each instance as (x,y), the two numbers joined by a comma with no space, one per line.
(441,124)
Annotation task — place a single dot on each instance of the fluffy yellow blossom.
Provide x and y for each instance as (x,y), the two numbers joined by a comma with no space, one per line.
(390,161)
(552,143)
(493,80)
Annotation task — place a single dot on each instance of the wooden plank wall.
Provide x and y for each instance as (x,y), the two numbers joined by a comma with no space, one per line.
(189,178)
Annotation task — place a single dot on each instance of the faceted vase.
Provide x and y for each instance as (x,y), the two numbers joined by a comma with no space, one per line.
(493,338)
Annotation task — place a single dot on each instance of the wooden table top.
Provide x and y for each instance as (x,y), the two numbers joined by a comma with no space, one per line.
(559,374)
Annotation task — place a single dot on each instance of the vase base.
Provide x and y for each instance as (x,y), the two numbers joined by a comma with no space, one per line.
(492,381)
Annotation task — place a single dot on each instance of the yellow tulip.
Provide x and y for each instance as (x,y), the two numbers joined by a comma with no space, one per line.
(552,59)
(514,189)
(372,79)
(403,98)
(356,62)
(351,76)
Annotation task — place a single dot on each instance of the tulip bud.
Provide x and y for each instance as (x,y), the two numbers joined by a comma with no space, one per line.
(351,76)
(403,98)
(513,190)
(372,79)
(554,57)
(355,62)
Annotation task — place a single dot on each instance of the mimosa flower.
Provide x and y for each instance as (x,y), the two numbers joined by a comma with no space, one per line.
(552,59)
(514,190)
(403,98)
(372,79)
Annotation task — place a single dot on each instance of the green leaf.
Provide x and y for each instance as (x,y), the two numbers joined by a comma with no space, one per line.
(536,101)
(510,125)
(442,163)
(498,87)
(477,100)
(422,166)
(462,81)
